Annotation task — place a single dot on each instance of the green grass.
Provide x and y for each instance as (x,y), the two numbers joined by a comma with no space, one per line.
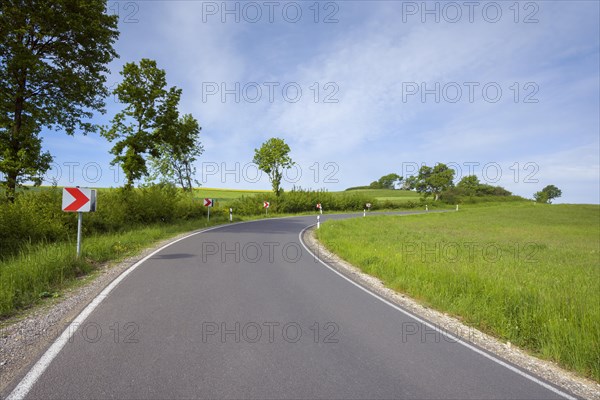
(528,274)
(225,195)
(386,194)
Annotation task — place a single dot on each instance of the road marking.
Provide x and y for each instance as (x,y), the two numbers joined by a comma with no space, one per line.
(42,364)
(25,385)
(441,331)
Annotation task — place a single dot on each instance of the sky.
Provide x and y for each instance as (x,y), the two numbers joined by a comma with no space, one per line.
(508,91)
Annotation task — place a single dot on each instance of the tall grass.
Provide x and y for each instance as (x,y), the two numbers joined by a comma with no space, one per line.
(528,274)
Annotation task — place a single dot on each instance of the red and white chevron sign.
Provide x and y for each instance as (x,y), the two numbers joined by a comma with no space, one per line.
(208,202)
(266,204)
(78,200)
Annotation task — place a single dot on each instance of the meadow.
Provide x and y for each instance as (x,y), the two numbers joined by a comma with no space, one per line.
(526,273)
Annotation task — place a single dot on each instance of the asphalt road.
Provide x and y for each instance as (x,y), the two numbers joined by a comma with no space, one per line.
(244,311)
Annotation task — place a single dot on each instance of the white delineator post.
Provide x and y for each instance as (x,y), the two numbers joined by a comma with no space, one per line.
(318,221)
(457,207)
(79,223)
(426,208)
(364,212)
(230,214)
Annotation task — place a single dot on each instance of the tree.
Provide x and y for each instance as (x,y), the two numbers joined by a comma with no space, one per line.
(272,158)
(469,184)
(389,181)
(547,194)
(433,181)
(410,183)
(178,152)
(148,120)
(53,57)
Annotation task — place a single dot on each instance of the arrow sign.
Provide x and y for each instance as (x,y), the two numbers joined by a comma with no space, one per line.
(208,202)
(266,204)
(78,200)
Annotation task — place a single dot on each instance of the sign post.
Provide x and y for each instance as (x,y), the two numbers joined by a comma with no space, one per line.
(208,203)
(266,206)
(79,200)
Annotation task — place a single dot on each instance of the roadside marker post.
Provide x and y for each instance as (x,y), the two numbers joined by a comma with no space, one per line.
(208,203)
(79,200)
(318,221)
(457,207)
(230,214)
(426,209)
(364,212)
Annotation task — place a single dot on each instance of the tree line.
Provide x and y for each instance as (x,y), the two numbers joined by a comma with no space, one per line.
(438,181)
(53,69)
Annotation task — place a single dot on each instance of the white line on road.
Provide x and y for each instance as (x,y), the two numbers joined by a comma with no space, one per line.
(441,331)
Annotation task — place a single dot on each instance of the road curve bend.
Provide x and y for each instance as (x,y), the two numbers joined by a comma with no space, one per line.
(246,311)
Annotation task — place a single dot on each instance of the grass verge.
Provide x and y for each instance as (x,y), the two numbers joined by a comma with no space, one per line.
(528,274)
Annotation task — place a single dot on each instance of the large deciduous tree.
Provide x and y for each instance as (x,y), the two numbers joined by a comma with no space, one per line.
(433,181)
(53,57)
(272,158)
(178,151)
(148,120)
(547,194)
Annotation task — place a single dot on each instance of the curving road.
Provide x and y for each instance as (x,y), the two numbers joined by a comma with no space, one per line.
(245,311)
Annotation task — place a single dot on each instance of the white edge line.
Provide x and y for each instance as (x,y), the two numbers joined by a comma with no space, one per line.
(437,329)
(23,388)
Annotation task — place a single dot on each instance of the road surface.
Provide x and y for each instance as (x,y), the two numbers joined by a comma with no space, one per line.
(245,311)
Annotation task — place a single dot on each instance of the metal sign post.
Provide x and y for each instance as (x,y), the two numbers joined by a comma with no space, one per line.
(79,200)
(79,223)
(208,203)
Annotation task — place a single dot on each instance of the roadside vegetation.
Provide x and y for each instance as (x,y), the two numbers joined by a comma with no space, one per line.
(526,273)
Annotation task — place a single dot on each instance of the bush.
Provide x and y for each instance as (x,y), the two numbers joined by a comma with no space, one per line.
(36,215)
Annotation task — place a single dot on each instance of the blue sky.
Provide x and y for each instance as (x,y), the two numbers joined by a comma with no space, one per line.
(509,92)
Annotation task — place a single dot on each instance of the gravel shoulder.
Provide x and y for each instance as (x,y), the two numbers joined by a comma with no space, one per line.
(549,371)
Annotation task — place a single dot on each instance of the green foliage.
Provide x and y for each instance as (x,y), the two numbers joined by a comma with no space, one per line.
(272,158)
(470,190)
(36,217)
(389,181)
(53,57)
(150,118)
(433,181)
(299,200)
(177,154)
(525,273)
(547,194)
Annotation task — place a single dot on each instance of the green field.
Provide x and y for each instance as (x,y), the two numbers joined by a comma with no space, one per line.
(386,194)
(526,273)
(225,195)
